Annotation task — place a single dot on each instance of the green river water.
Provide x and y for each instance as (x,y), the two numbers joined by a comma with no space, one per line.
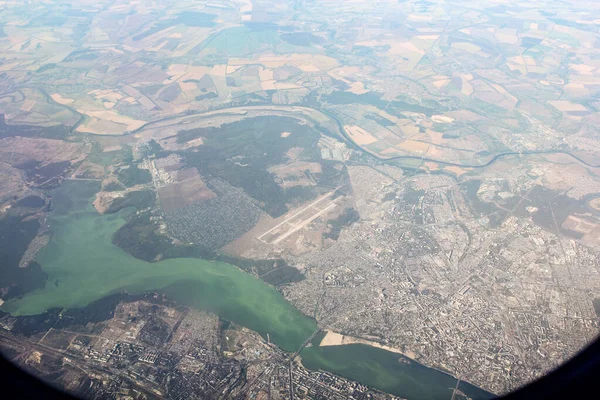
(83,266)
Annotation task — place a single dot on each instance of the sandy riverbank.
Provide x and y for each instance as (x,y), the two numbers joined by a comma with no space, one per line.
(336,339)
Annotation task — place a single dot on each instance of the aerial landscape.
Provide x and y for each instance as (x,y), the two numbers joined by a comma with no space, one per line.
(296,199)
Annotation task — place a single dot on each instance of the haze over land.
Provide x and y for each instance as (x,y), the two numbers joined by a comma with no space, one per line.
(263,177)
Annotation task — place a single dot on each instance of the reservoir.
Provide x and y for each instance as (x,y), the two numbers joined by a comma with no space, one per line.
(83,266)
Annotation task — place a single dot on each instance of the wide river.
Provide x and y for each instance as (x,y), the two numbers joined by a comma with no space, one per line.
(83,266)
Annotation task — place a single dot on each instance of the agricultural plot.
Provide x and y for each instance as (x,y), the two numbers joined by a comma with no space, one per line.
(188,190)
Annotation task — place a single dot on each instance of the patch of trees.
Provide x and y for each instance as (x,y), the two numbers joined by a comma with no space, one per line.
(275,272)
(140,238)
(345,219)
(31,201)
(112,187)
(78,318)
(242,152)
(133,175)
(50,132)
(139,199)
(15,236)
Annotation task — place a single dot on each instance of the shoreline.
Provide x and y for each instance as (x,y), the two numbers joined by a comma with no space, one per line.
(337,339)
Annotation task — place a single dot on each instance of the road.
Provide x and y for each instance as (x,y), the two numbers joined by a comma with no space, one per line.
(306,342)
(455,388)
